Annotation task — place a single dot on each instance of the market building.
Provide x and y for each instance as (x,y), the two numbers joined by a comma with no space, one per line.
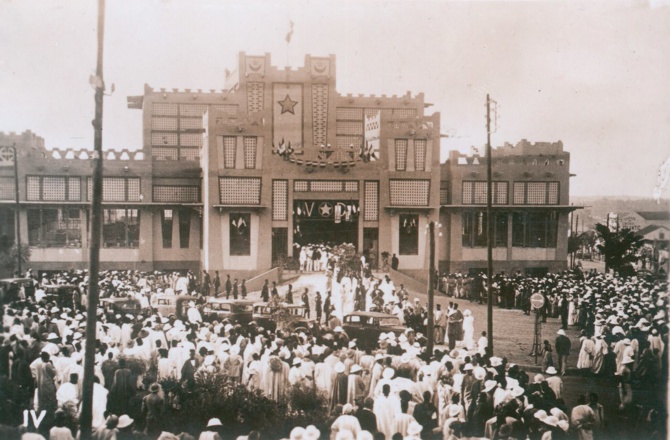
(237,179)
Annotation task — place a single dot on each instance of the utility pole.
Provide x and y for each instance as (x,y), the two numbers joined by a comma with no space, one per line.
(489,224)
(431,292)
(85,420)
(572,237)
(17,220)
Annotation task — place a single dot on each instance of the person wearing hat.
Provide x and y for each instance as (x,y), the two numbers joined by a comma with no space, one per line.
(625,388)
(109,430)
(346,422)
(213,430)
(582,419)
(562,346)
(45,374)
(153,405)
(356,388)
(340,383)
(233,364)
(555,382)
(193,314)
(454,327)
(125,427)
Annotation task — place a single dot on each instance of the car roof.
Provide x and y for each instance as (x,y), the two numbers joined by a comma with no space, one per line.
(231,301)
(15,280)
(54,286)
(372,314)
(282,304)
(115,300)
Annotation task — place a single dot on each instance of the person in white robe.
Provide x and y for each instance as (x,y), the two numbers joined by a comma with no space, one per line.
(68,392)
(386,406)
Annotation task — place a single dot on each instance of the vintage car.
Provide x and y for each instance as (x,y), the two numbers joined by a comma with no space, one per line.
(121,306)
(366,327)
(61,294)
(10,287)
(168,305)
(235,310)
(291,316)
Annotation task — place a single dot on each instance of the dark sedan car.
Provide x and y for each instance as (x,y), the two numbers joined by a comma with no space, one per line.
(366,327)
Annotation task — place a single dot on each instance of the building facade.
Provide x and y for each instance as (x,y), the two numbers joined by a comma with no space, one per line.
(238,179)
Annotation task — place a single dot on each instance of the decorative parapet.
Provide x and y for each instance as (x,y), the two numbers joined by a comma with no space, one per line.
(523,153)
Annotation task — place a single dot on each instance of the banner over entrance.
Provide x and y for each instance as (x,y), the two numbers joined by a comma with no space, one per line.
(287,115)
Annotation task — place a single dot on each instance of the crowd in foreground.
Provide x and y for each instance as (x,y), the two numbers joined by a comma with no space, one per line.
(395,390)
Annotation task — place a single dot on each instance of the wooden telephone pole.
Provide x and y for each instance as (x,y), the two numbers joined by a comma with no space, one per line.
(85,420)
(489,224)
(431,293)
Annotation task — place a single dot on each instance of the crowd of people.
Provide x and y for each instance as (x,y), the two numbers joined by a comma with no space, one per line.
(395,391)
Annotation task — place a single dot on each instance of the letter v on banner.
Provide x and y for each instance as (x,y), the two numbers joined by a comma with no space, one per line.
(37,421)
(309,209)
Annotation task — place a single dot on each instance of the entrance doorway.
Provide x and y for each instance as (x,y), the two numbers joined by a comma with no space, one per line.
(328,222)
(279,243)
(371,246)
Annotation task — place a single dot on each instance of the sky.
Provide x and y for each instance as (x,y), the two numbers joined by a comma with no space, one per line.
(591,74)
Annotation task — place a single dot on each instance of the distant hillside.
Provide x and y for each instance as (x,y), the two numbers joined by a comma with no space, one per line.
(596,208)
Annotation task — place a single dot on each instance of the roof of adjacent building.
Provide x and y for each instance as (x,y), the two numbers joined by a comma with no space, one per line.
(654,215)
(647,229)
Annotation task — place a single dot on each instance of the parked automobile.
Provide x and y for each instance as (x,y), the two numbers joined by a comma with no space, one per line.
(10,288)
(235,310)
(61,294)
(168,305)
(293,316)
(366,327)
(121,306)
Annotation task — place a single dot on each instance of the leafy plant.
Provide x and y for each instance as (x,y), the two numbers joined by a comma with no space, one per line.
(239,408)
(620,248)
(308,407)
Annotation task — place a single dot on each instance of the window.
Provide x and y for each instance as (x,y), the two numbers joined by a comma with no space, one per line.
(534,229)
(53,188)
(166,227)
(240,190)
(371,210)
(444,192)
(54,227)
(420,154)
(120,228)
(475,192)
(250,152)
(176,193)
(279,199)
(229,149)
(401,154)
(240,237)
(7,188)
(536,193)
(118,189)
(409,192)
(475,229)
(408,234)
(184,228)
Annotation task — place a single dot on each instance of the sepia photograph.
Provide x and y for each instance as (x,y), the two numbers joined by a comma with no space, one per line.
(338,220)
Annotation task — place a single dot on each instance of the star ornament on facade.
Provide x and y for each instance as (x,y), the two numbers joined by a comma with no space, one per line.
(325,209)
(287,105)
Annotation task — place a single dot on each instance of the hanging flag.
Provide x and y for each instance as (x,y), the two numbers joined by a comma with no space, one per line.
(289,35)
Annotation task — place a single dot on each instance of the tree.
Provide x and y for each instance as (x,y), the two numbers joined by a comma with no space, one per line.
(8,259)
(620,248)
